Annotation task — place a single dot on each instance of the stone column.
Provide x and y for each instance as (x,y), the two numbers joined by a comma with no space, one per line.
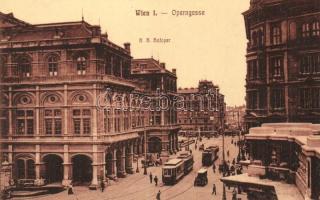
(38,163)
(10,114)
(177,142)
(123,161)
(129,160)
(103,170)
(66,166)
(94,182)
(114,163)
(65,109)
(37,112)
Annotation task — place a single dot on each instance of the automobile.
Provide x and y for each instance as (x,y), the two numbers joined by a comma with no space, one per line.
(201,179)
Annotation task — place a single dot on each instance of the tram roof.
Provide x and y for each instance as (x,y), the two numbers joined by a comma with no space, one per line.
(174,161)
(202,170)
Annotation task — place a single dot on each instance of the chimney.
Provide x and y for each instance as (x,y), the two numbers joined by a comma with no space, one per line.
(174,71)
(127,46)
(163,65)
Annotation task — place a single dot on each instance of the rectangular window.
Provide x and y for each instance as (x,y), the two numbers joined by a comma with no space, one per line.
(58,126)
(316,28)
(24,122)
(77,126)
(20,126)
(277,98)
(252,99)
(86,126)
(310,98)
(82,121)
(53,123)
(4,122)
(48,126)
(305,30)
(310,64)
(277,67)
(276,35)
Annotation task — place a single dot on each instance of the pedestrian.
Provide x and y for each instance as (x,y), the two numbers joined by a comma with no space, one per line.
(150,176)
(70,189)
(156,180)
(214,189)
(214,168)
(158,195)
(234,194)
(102,186)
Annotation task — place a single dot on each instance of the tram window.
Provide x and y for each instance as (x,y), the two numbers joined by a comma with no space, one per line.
(167,172)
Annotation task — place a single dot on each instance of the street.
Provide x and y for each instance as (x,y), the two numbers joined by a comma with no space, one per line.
(138,187)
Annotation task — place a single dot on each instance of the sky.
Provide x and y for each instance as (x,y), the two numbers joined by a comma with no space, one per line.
(207,47)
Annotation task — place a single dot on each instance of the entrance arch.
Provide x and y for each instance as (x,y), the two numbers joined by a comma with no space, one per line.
(81,169)
(154,145)
(53,168)
(109,162)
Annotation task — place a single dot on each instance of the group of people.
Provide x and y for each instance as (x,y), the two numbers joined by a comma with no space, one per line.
(155,179)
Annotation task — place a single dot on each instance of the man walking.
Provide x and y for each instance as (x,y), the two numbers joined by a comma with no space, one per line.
(214,168)
(102,185)
(214,189)
(150,176)
(158,195)
(156,180)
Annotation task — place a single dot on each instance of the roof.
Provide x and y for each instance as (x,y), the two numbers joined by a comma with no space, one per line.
(151,66)
(188,90)
(173,161)
(202,170)
(283,191)
(305,134)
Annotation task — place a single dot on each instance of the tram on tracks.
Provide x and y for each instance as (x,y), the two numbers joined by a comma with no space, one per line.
(187,158)
(209,155)
(176,168)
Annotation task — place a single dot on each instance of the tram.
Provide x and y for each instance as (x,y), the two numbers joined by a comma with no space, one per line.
(172,171)
(187,158)
(209,155)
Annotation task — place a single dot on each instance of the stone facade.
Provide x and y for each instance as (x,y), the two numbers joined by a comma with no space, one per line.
(283,61)
(70,107)
(203,110)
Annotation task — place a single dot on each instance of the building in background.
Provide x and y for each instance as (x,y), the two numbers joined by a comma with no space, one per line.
(283,61)
(70,109)
(160,84)
(235,117)
(203,110)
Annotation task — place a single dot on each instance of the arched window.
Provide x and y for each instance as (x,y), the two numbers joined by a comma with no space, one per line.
(24,67)
(53,65)
(25,168)
(81,65)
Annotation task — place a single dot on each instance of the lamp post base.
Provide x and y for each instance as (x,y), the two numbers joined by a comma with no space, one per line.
(145,170)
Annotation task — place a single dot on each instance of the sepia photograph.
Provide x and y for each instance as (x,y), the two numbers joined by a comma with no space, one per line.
(160,100)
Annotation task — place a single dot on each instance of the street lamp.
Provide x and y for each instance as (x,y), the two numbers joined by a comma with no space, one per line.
(145,149)
(137,170)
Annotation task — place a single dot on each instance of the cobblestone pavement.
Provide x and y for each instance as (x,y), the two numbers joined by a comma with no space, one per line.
(138,187)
